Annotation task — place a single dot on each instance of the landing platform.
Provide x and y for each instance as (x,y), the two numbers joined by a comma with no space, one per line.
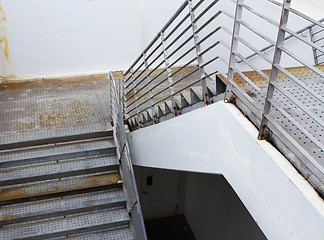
(52,108)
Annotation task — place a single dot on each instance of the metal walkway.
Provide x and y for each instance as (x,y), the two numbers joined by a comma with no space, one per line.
(60,173)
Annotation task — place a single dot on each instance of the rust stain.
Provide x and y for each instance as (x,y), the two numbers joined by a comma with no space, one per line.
(8,217)
(8,83)
(81,112)
(258,80)
(89,203)
(3,38)
(88,182)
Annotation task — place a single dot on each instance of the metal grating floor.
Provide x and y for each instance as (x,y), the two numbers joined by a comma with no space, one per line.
(313,149)
(49,108)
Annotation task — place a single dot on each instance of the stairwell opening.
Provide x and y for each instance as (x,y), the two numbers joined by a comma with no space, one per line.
(188,205)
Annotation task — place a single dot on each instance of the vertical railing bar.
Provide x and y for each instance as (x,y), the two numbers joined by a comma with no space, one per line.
(149,85)
(135,95)
(236,29)
(198,53)
(168,70)
(274,69)
(314,50)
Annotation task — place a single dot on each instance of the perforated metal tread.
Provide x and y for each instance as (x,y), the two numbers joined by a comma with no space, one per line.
(56,207)
(69,225)
(57,169)
(57,186)
(53,149)
(116,234)
(77,149)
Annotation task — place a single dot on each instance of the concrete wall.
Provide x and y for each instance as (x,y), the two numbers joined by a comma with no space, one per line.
(214,211)
(162,198)
(46,38)
(72,37)
(219,139)
(210,205)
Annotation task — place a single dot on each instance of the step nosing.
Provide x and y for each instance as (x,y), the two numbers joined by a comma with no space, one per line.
(56,139)
(60,175)
(118,203)
(76,231)
(57,157)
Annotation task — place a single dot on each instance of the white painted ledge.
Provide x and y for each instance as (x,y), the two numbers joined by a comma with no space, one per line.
(219,139)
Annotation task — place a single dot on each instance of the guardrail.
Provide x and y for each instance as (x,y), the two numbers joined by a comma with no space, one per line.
(268,76)
(123,153)
(171,63)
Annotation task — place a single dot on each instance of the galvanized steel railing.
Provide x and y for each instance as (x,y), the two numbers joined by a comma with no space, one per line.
(126,167)
(269,76)
(290,107)
(166,67)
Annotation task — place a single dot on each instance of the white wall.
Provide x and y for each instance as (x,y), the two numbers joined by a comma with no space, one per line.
(219,139)
(46,38)
(71,37)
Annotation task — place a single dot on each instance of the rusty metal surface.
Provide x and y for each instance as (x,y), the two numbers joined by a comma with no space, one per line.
(16,192)
(38,109)
(72,186)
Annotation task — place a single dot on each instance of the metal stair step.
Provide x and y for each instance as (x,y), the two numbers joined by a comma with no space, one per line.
(57,152)
(53,208)
(55,140)
(120,234)
(57,169)
(56,188)
(67,225)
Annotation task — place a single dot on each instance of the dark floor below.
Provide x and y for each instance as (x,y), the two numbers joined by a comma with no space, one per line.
(173,227)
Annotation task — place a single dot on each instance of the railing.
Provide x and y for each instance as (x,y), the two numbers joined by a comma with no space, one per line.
(133,204)
(172,63)
(285,99)
(273,73)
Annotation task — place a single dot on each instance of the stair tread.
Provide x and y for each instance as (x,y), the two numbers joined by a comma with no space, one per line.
(57,167)
(120,234)
(60,132)
(63,224)
(55,205)
(56,149)
(55,186)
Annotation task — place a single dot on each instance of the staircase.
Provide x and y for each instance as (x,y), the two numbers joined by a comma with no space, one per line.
(69,188)
(69,181)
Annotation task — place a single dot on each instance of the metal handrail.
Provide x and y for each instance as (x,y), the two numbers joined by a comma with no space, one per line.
(123,153)
(150,85)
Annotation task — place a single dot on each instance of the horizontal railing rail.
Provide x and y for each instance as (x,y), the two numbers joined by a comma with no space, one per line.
(292,121)
(273,73)
(126,167)
(172,63)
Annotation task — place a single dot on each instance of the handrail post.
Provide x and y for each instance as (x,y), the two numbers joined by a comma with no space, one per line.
(149,85)
(198,53)
(170,80)
(229,96)
(314,49)
(274,69)
(135,97)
